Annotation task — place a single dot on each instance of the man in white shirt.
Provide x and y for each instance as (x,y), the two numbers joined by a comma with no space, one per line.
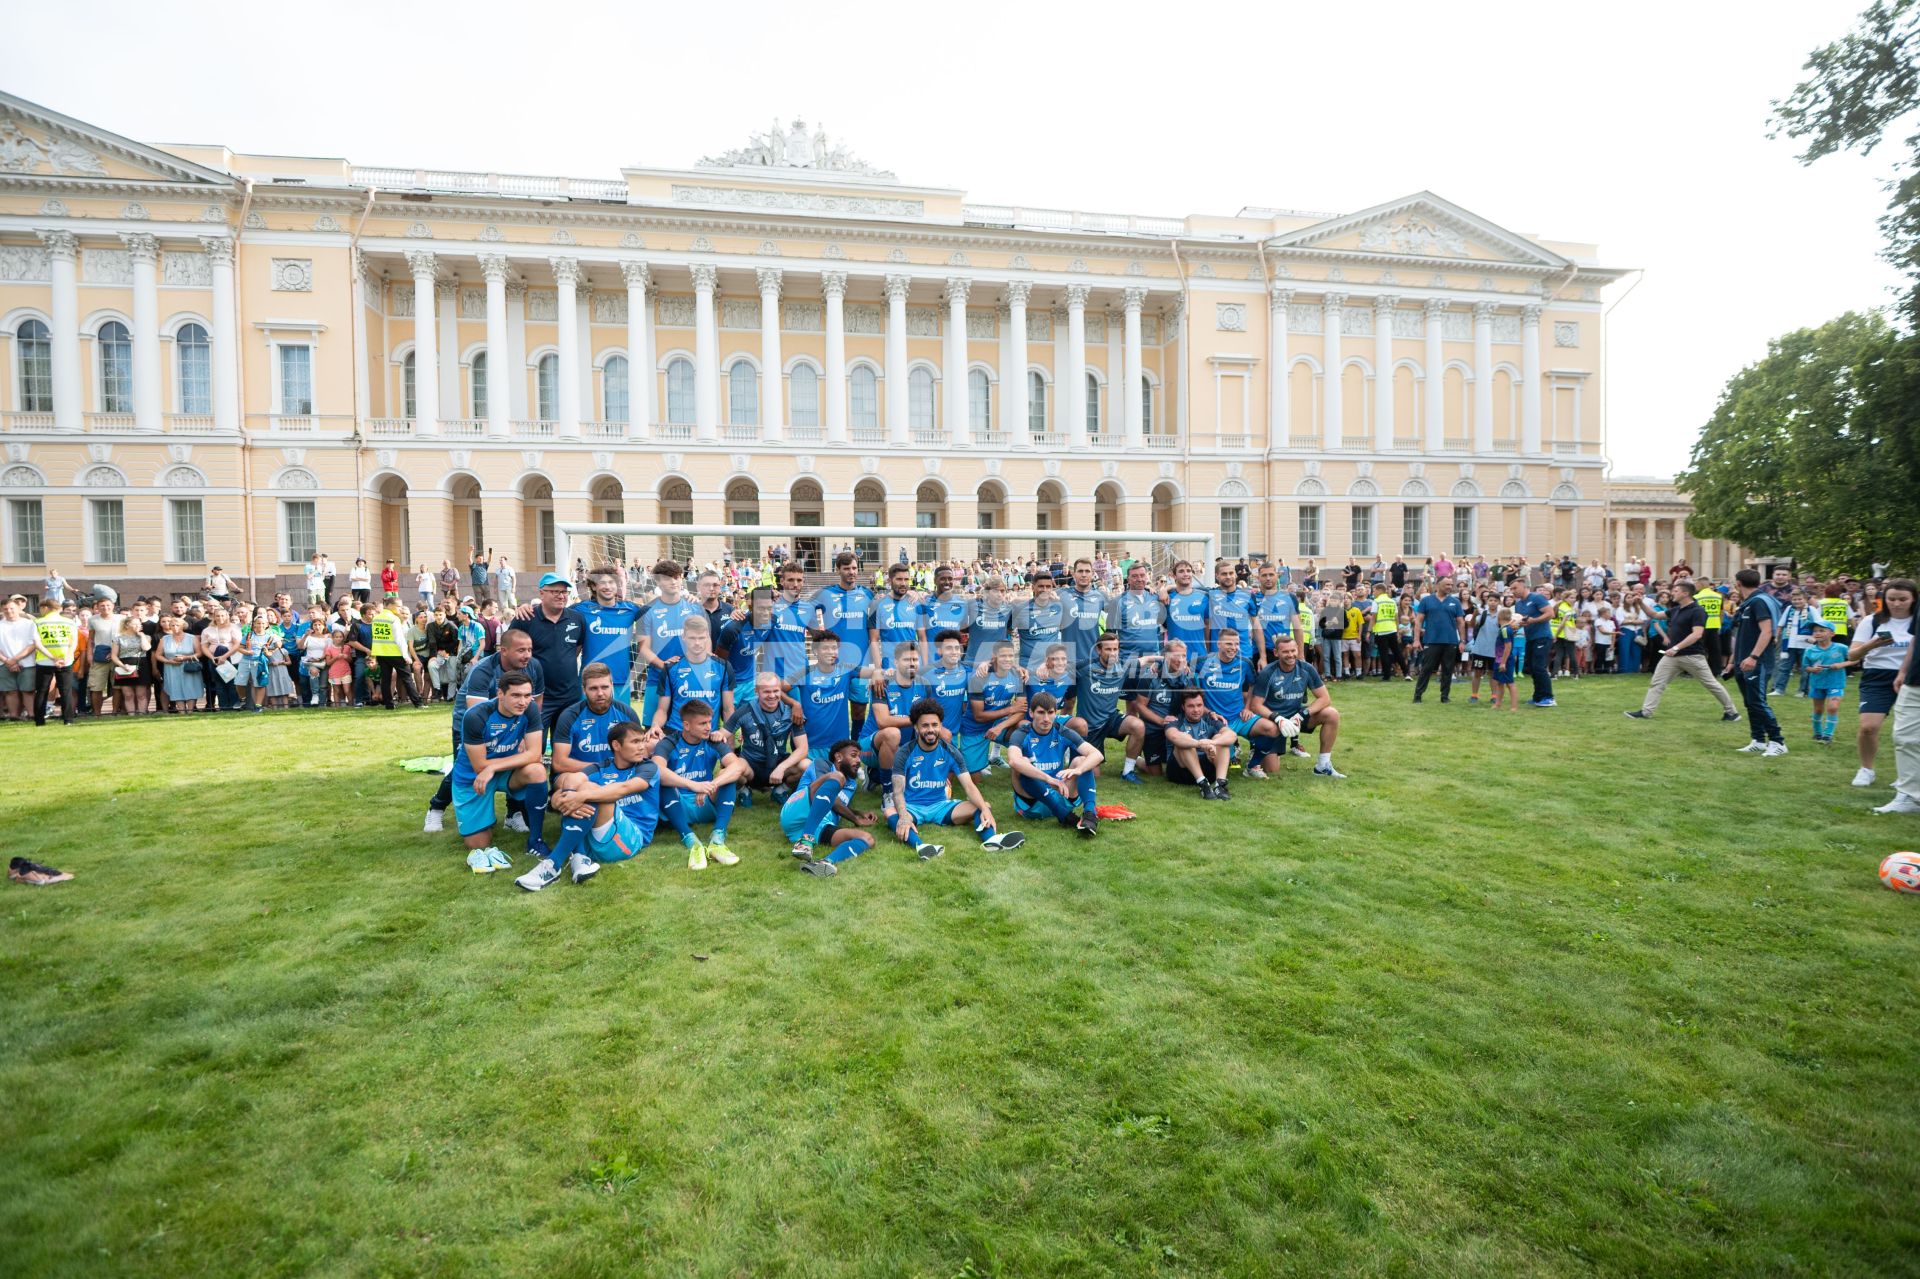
(54,587)
(16,659)
(103,627)
(316,581)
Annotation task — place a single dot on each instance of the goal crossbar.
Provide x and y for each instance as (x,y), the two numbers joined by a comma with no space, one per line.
(568,533)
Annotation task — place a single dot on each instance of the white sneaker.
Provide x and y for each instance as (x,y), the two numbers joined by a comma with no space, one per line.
(1257,773)
(1900,803)
(1864,777)
(1775,749)
(516,821)
(1327,770)
(1297,753)
(314,702)
(543,873)
(1752,748)
(582,867)
(435,823)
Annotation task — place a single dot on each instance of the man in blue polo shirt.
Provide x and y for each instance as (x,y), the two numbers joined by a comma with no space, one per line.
(948,610)
(1086,607)
(1535,613)
(1275,613)
(1100,703)
(1436,637)
(1186,606)
(559,636)
(898,617)
(1230,607)
(1053,769)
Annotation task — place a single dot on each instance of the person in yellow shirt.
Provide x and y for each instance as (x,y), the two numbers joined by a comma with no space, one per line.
(1350,638)
(1386,633)
(56,641)
(393,652)
(1565,651)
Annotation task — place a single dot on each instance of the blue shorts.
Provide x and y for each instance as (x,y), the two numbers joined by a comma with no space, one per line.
(474,813)
(1823,687)
(1876,692)
(937,813)
(701,812)
(973,751)
(624,838)
(794,814)
(1107,729)
(1242,725)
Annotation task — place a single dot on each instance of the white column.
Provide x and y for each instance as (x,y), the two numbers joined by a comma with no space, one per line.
(1435,386)
(1013,382)
(897,286)
(1619,545)
(1383,308)
(833,285)
(493,266)
(566,275)
(1530,381)
(583,305)
(642,379)
(773,400)
(954,376)
(1279,397)
(226,337)
(144,251)
(514,375)
(1332,423)
(446,299)
(63,250)
(362,373)
(1003,320)
(706,354)
(1482,376)
(1174,331)
(426,346)
(1130,395)
(1116,418)
(1071,368)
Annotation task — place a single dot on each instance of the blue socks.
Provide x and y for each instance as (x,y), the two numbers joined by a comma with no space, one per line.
(536,801)
(678,806)
(820,811)
(573,839)
(849,849)
(674,808)
(723,800)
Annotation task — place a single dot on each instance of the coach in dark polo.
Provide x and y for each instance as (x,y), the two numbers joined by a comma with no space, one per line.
(559,635)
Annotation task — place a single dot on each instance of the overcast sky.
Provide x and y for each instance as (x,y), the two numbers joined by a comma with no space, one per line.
(1639,127)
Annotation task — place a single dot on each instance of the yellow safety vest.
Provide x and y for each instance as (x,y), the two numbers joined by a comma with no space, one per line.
(1711,601)
(1562,615)
(1833,612)
(59,635)
(385,628)
(1306,625)
(1386,615)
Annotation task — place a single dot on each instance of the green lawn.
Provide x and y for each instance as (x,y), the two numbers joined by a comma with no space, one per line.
(1538,993)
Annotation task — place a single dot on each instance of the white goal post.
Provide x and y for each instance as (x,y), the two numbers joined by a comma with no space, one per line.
(592,542)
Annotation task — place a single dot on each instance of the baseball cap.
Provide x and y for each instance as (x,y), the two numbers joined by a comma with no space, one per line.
(552,579)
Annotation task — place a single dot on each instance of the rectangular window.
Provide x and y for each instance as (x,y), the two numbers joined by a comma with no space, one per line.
(546,536)
(803,388)
(196,374)
(1463,530)
(1233,538)
(679,549)
(1044,547)
(296,380)
(1413,530)
(476,528)
(300,531)
(108,524)
(36,369)
(867,548)
(979,401)
(116,371)
(1363,530)
(613,385)
(926,549)
(186,531)
(1310,531)
(477,385)
(26,532)
(864,398)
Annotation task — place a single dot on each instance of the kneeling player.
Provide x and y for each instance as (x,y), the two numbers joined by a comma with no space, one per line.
(922,781)
(1053,768)
(697,779)
(1291,694)
(1202,744)
(773,745)
(996,705)
(1100,705)
(822,800)
(610,812)
(500,741)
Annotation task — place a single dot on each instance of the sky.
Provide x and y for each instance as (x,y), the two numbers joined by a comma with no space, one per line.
(1638,127)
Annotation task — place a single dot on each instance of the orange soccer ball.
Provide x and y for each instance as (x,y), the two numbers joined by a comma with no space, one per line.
(1901,872)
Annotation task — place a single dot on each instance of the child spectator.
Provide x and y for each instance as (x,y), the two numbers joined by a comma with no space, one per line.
(1826,665)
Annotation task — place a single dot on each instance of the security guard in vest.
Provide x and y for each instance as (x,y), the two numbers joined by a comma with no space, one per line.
(1565,652)
(1834,614)
(56,639)
(393,651)
(1386,633)
(1713,602)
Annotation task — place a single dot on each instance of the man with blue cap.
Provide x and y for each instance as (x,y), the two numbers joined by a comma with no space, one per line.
(559,635)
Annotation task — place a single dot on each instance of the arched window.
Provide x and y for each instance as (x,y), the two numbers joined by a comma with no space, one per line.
(865,397)
(979,401)
(546,384)
(194,356)
(1146,404)
(803,388)
(616,401)
(743,395)
(116,368)
(36,367)
(680,392)
(1036,403)
(406,386)
(477,385)
(1093,405)
(920,399)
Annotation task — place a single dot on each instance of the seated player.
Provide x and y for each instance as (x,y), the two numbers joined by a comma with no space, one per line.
(698,778)
(995,707)
(822,800)
(500,749)
(894,695)
(1223,679)
(1054,676)
(1101,713)
(1053,767)
(774,748)
(609,812)
(1202,744)
(923,795)
(1155,701)
(697,676)
(1291,694)
(580,733)
(826,694)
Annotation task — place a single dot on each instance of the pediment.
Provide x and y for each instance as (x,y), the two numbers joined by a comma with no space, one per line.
(1421,227)
(36,142)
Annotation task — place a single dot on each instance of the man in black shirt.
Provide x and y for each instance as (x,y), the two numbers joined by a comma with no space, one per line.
(1755,629)
(559,635)
(1686,654)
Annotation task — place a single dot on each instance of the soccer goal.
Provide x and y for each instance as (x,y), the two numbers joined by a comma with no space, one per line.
(589,545)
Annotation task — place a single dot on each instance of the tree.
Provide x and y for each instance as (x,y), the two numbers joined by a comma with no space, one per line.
(1813,450)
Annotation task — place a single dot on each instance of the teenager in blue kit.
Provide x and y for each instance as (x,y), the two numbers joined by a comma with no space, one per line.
(826,695)
(1230,607)
(1186,611)
(698,676)
(1053,770)
(500,749)
(608,813)
(699,776)
(823,800)
(888,720)
(662,623)
(996,703)
(610,629)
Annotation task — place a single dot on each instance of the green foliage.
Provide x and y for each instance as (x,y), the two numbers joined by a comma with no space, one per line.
(1535,993)
(1812,451)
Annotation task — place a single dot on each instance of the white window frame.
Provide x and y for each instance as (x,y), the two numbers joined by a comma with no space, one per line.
(1316,549)
(1093,404)
(980,406)
(180,348)
(1365,538)
(546,403)
(1036,402)
(20,363)
(921,396)
(805,412)
(1472,530)
(277,389)
(176,553)
(479,385)
(14,552)
(1233,531)
(96,549)
(866,417)
(1412,543)
(549,540)
(743,410)
(409,386)
(287,548)
(686,398)
(100,370)
(623,379)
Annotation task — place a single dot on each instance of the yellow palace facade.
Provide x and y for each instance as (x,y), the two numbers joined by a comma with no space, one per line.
(215,358)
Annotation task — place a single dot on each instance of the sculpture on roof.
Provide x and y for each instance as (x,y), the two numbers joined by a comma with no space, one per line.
(1415,235)
(793,148)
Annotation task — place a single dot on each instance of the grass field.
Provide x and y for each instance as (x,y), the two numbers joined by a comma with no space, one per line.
(1530,994)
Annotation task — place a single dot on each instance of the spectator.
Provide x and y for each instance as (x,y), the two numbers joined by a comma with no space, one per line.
(16,659)
(56,647)
(360,582)
(179,659)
